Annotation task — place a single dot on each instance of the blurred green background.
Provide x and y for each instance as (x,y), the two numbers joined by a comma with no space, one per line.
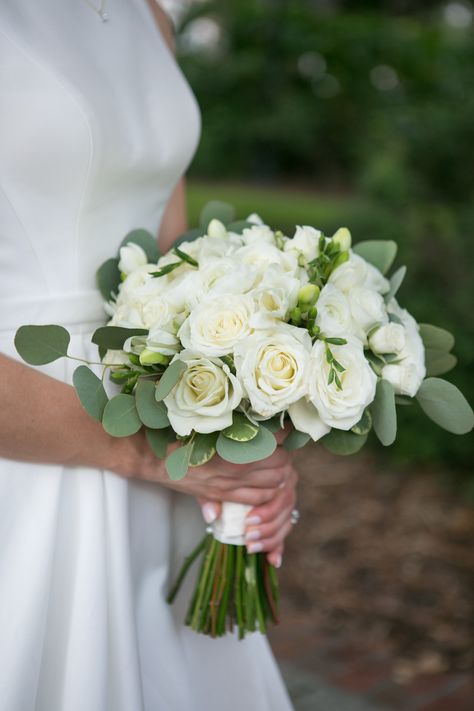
(350,113)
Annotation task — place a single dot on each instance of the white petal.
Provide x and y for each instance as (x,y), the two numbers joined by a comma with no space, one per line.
(305,418)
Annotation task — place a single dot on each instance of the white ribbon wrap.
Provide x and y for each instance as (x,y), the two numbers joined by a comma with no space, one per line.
(230,527)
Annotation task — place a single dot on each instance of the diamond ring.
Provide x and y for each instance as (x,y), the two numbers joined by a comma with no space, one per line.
(295,516)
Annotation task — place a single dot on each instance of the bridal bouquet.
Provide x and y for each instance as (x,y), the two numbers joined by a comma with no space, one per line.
(237,330)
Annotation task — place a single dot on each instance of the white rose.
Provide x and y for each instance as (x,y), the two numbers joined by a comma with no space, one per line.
(211,246)
(204,397)
(367,309)
(275,296)
(132,256)
(334,316)
(260,256)
(389,338)
(342,408)
(225,276)
(258,233)
(217,324)
(357,272)
(163,340)
(407,375)
(272,366)
(305,243)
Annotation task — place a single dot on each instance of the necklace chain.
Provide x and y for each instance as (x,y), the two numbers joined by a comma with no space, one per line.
(99,10)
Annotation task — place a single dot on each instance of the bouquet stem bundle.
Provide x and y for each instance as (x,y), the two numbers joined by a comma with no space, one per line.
(234,589)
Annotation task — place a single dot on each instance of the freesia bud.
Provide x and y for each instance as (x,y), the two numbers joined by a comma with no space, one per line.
(342,238)
(216,229)
(343,257)
(295,315)
(308,295)
(148,357)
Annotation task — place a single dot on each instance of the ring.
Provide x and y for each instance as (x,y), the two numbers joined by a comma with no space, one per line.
(295,516)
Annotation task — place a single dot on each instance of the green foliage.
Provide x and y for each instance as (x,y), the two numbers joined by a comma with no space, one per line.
(396,280)
(120,418)
(177,463)
(384,414)
(108,278)
(146,241)
(153,414)
(380,253)
(445,405)
(260,447)
(114,337)
(215,209)
(169,379)
(158,441)
(90,391)
(296,440)
(204,448)
(341,442)
(38,345)
(241,429)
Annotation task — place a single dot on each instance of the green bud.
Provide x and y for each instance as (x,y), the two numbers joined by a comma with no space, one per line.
(313,313)
(343,257)
(148,357)
(295,315)
(314,330)
(342,238)
(308,295)
(216,229)
(123,276)
(134,359)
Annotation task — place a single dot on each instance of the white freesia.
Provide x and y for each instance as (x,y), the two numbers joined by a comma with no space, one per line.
(164,339)
(217,324)
(204,397)
(260,256)
(334,315)
(132,256)
(258,233)
(358,272)
(255,218)
(116,358)
(367,310)
(407,375)
(305,243)
(340,408)
(216,228)
(272,366)
(389,338)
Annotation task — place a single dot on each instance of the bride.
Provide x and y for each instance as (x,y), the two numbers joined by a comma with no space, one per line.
(98,126)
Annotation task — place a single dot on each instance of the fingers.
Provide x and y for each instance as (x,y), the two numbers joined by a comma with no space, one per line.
(211,510)
(281,435)
(271,543)
(284,498)
(275,557)
(266,531)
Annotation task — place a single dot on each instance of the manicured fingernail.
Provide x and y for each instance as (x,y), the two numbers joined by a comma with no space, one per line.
(209,513)
(255,548)
(277,559)
(253,520)
(253,535)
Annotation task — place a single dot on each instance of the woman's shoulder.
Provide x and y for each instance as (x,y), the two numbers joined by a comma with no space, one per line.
(164,23)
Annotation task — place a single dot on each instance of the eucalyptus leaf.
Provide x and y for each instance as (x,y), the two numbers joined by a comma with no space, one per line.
(108,278)
(239,226)
(273,424)
(384,413)
(120,417)
(260,447)
(38,345)
(380,253)
(188,236)
(158,441)
(439,362)
(215,209)
(146,241)
(153,414)
(241,429)
(90,391)
(169,379)
(342,442)
(113,337)
(435,337)
(396,281)
(177,463)
(296,440)
(401,400)
(364,425)
(445,405)
(203,449)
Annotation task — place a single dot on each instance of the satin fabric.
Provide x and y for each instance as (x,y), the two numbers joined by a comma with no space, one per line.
(97,124)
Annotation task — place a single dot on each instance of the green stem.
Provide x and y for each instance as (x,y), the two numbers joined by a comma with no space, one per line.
(258,604)
(238,591)
(205,607)
(221,620)
(202,584)
(188,561)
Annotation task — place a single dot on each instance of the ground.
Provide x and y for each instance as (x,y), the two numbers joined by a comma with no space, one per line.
(377,588)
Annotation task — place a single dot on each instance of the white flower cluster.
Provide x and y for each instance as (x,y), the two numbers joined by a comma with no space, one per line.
(243,313)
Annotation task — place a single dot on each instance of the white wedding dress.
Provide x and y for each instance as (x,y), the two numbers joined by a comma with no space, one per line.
(97,124)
